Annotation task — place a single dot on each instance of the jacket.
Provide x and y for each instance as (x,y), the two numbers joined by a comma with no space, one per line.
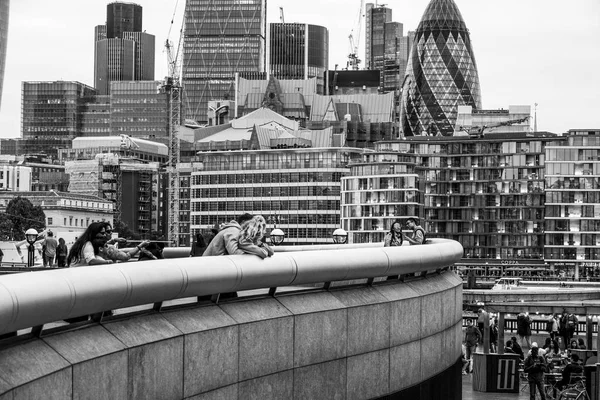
(225,242)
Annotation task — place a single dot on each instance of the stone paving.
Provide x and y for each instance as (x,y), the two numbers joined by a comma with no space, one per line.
(469,394)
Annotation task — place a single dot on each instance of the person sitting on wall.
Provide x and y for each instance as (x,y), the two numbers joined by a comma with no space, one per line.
(508,348)
(418,235)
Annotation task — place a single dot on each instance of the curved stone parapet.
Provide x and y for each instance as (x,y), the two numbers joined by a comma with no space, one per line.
(28,300)
(351,342)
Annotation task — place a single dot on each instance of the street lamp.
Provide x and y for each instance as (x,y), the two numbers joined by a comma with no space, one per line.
(277,236)
(340,236)
(31,236)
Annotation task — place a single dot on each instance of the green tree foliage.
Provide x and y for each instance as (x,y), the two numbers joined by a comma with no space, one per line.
(123,230)
(20,216)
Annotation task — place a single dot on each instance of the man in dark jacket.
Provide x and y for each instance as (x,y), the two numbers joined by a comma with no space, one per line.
(225,242)
(572,368)
(517,347)
(534,367)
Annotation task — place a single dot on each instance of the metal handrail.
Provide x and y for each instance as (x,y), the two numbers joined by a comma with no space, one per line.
(32,300)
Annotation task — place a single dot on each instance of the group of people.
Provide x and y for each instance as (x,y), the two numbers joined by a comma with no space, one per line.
(395,237)
(53,250)
(244,235)
(97,247)
(541,361)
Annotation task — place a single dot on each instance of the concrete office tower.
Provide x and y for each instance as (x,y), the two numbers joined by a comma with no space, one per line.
(386,48)
(222,37)
(441,73)
(121,18)
(298,51)
(122,51)
(4,9)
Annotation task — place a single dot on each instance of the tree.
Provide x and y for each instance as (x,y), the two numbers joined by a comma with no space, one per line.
(23,215)
(123,230)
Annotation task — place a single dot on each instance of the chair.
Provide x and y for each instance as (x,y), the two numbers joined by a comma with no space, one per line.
(575,388)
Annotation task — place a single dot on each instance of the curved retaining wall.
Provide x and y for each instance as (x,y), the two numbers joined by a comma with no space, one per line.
(394,338)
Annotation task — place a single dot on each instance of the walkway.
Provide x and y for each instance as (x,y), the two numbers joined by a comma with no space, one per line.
(469,394)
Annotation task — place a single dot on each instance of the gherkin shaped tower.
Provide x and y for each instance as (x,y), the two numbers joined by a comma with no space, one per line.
(441,73)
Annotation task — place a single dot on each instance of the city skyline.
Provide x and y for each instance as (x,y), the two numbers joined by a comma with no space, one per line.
(534,52)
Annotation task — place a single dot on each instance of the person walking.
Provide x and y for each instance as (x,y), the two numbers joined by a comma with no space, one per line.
(49,244)
(61,253)
(524,328)
(472,339)
(535,366)
(394,236)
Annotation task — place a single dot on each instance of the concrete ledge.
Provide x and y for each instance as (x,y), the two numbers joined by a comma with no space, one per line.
(353,343)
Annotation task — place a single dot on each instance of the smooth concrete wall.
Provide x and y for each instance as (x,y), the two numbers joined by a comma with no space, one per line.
(349,343)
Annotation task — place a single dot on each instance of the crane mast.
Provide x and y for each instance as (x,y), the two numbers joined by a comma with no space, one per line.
(173,88)
(353,60)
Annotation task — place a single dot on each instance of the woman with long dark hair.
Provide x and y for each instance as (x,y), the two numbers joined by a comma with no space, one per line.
(394,236)
(82,252)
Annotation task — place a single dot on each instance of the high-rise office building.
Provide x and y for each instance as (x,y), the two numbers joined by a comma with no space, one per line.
(222,37)
(441,73)
(572,218)
(121,18)
(122,51)
(4,9)
(52,110)
(299,51)
(138,109)
(386,47)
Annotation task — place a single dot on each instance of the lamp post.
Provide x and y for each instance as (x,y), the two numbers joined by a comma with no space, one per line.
(277,236)
(31,236)
(340,236)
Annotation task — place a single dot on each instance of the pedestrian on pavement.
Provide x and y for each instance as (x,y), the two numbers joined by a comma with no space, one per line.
(535,367)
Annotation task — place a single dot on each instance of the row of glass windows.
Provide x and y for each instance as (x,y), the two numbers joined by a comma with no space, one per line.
(397,182)
(571,254)
(251,192)
(484,175)
(392,211)
(396,196)
(573,183)
(583,239)
(529,214)
(470,188)
(280,205)
(257,178)
(566,225)
(572,197)
(282,220)
(529,200)
(382,169)
(470,242)
(516,160)
(534,146)
(572,169)
(573,211)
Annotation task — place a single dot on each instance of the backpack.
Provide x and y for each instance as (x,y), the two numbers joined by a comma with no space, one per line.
(424,234)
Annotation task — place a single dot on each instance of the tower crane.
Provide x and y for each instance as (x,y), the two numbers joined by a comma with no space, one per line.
(353,60)
(479,131)
(172,87)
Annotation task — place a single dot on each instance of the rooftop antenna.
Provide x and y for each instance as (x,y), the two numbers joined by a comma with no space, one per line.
(535,117)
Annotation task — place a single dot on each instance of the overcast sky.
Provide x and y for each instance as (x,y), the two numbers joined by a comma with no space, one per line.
(527,51)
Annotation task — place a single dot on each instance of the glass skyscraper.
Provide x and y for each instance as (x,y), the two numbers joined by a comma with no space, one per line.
(299,51)
(222,37)
(4,8)
(122,51)
(441,73)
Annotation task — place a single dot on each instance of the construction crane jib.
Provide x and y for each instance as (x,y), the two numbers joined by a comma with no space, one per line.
(353,60)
